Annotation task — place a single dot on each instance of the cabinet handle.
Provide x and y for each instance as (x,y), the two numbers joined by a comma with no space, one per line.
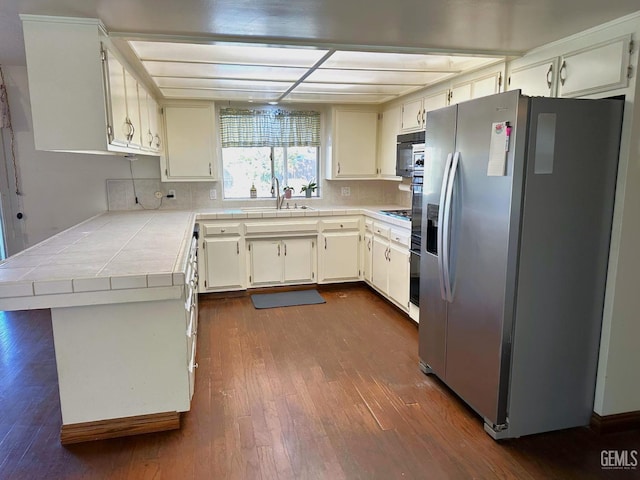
(238,248)
(341,226)
(285,249)
(338,167)
(369,245)
(563,68)
(418,118)
(150,138)
(222,230)
(278,249)
(325,243)
(133,130)
(424,113)
(550,75)
(158,142)
(209,168)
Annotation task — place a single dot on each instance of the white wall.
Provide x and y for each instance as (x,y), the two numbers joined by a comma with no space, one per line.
(58,189)
(618,382)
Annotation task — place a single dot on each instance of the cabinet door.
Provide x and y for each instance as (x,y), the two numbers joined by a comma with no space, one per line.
(190,144)
(339,256)
(387,151)
(266,264)
(399,275)
(355,143)
(380,263)
(484,86)
(224,257)
(535,80)
(118,121)
(436,101)
(595,69)
(412,115)
(367,256)
(154,124)
(461,93)
(298,260)
(133,109)
(146,139)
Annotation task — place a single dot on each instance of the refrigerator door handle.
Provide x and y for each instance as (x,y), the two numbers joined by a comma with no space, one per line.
(446,227)
(440,238)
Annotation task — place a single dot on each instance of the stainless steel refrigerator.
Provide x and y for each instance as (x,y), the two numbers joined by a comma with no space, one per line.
(517,209)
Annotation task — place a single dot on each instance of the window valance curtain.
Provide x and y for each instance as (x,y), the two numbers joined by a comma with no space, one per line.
(269,128)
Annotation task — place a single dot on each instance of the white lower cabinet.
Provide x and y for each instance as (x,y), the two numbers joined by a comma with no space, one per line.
(339,250)
(390,263)
(239,254)
(280,261)
(380,263)
(222,259)
(367,257)
(398,274)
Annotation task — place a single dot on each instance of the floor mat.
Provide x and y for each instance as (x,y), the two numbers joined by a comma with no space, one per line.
(286,299)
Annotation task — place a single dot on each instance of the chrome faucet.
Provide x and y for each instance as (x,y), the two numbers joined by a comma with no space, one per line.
(279,198)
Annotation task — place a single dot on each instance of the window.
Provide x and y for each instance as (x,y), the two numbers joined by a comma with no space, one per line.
(260,144)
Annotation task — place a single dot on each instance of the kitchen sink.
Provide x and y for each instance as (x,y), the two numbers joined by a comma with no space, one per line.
(273,209)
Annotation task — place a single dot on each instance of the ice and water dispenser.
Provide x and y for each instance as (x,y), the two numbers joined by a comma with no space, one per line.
(432,228)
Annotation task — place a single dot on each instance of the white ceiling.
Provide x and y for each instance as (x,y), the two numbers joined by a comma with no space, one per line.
(485,27)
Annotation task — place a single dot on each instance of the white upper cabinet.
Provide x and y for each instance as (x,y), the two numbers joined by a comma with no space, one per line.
(351,149)
(190,143)
(466,87)
(536,80)
(388,139)
(119,128)
(83,99)
(476,87)
(412,115)
(435,101)
(596,68)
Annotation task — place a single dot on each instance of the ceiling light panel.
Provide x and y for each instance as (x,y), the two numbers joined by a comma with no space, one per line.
(229,54)
(307,87)
(336,98)
(216,83)
(204,70)
(376,77)
(402,61)
(224,95)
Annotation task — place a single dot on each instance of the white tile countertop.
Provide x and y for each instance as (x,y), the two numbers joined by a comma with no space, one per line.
(120,251)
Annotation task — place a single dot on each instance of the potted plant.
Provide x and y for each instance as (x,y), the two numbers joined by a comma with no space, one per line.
(309,189)
(287,191)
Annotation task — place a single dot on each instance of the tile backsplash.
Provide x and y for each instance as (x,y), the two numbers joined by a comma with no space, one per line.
(195,195)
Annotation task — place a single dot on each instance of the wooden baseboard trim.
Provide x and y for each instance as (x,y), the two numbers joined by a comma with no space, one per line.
(119,427)
(615,423)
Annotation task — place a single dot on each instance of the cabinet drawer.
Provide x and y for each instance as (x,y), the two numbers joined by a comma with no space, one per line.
(401,237)
(281,227)
(368,226)
(340,224)
(381,230)
(221,229)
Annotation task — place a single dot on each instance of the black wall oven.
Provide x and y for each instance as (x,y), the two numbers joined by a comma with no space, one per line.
(406,159)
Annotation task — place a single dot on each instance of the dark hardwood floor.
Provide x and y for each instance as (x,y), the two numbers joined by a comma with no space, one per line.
(321,391)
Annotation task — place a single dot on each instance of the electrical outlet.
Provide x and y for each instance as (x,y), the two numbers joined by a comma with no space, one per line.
(172,194)
(346,191)
(213,194)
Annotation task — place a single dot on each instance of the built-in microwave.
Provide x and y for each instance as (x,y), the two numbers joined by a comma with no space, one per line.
(409,154)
